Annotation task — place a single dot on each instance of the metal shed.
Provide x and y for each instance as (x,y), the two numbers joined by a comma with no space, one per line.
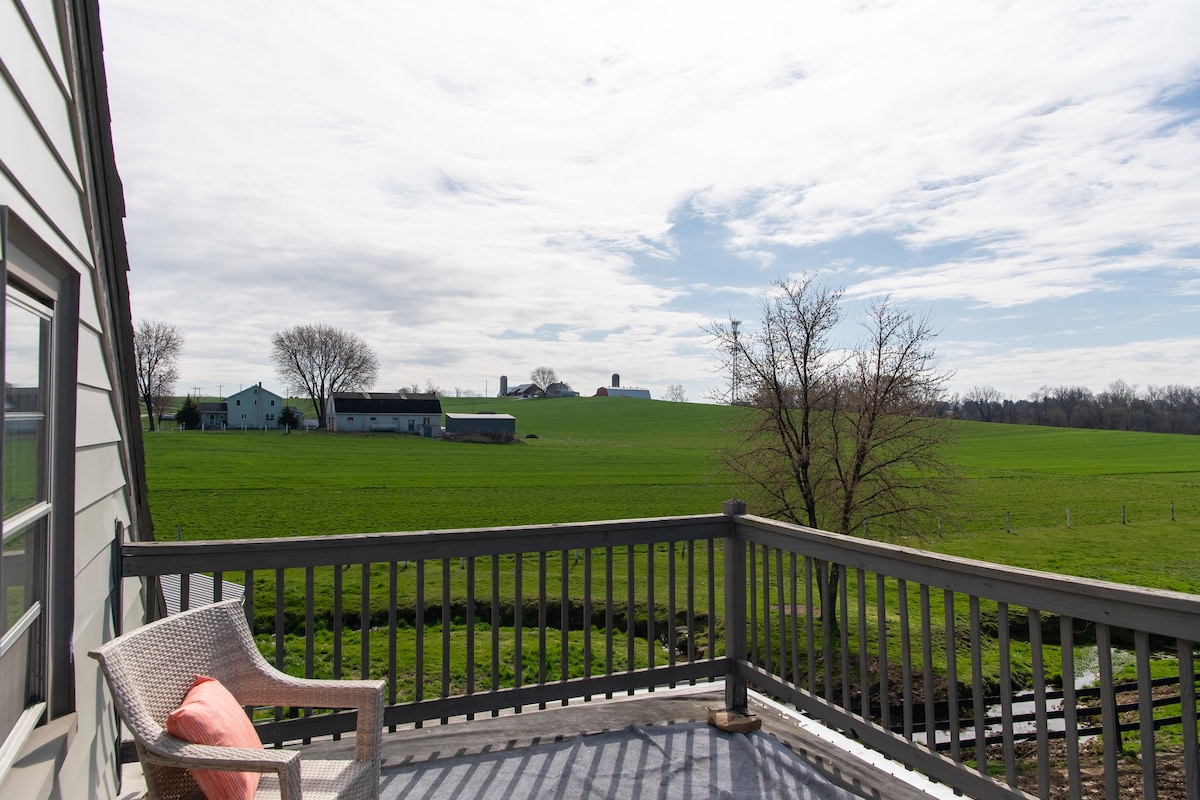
(482,424)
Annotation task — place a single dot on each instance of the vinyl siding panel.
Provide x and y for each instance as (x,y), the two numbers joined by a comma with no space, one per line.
(27,156)
(39,85)
(94,528)
(92,370)
(94,419)
(45,23)
(98,474)
(87,769)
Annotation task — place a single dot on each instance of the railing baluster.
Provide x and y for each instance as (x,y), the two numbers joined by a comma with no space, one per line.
(609,615)
(885,683)
(670,629)
(518,619)
(445,632)
(1070,719)
(977,696)
(218,579)
(185,591)
(419,633)
(630,619)
(844,604)
(927,669)
(691,604)
(565,628)
(541,679)
(364,622)
(828,615)
(337,621)
(712,597)
(752,573)
(795,614)
(587,617)
(905,656)
(864,675)
(766,604)
(1006,709)
(248,577)
(310,630)
(1141,647)
(1039,702)
(471,629)
(1108,711)
(393,622)
(651,610)
(496,628)
(280,640)
(810,622)
(952,675)
(1185,651)
(781,614)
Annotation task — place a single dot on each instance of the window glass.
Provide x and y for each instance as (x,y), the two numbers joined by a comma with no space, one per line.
(26,347)
(26,507)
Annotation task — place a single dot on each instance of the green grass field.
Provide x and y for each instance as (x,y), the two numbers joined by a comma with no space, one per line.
(612,458)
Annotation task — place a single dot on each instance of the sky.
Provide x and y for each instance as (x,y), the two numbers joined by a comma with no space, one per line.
(481,188)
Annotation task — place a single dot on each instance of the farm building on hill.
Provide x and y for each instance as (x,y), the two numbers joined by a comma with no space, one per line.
(254,407)
(560,390)
(383,411)
(622,391)
(525,390)
(481,424)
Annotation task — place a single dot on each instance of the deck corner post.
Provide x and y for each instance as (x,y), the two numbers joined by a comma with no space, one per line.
(735,613)
(733,507)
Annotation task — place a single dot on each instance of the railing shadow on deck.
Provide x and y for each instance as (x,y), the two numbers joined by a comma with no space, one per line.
(852,632)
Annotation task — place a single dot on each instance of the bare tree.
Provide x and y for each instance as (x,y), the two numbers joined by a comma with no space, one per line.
(156,348)
(987,400)
(675,393)
(543,377)
(1116,403)
(318,360)
(838,438)
(1069,398)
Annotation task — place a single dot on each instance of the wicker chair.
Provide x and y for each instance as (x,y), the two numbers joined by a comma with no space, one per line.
(150,669)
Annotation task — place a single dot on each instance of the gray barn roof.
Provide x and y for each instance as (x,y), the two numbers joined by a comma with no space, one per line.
(385,403)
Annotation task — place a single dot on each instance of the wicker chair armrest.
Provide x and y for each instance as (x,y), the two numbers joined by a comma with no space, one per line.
(167,750)
(277,689)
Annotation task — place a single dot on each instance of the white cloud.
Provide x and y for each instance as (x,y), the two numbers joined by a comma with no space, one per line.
(442,178)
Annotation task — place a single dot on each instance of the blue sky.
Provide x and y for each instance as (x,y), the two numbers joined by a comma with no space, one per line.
(479,189)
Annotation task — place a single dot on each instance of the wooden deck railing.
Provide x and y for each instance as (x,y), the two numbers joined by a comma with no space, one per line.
(473,622)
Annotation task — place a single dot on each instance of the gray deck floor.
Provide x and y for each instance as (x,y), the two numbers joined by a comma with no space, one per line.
(528,737)
(844,763)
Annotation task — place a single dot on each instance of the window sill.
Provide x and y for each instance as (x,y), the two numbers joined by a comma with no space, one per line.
(34,773)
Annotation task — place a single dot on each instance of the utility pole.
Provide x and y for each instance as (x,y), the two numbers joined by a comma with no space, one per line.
(734,323)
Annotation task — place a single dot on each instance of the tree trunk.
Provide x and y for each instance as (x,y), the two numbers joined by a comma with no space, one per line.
(150,411)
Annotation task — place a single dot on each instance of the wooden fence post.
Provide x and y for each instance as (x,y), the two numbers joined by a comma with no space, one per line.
(735,611)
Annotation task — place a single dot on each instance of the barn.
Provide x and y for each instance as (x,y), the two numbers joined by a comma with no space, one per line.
(500,425)
(348,412)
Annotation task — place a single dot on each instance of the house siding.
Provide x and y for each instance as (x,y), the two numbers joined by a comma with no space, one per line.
(50,180)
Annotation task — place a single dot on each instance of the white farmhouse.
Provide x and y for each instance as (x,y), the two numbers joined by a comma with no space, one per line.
(253,407)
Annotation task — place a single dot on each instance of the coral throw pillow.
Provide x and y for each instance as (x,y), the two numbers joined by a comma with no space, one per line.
(211,715)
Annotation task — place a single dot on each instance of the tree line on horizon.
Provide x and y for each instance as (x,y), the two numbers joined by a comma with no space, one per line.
(1172,408)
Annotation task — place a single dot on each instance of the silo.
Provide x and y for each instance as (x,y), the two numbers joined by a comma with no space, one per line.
(616,380)
(503,385)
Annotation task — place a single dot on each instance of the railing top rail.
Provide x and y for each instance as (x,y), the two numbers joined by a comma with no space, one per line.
(157,558)
(1153,610)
